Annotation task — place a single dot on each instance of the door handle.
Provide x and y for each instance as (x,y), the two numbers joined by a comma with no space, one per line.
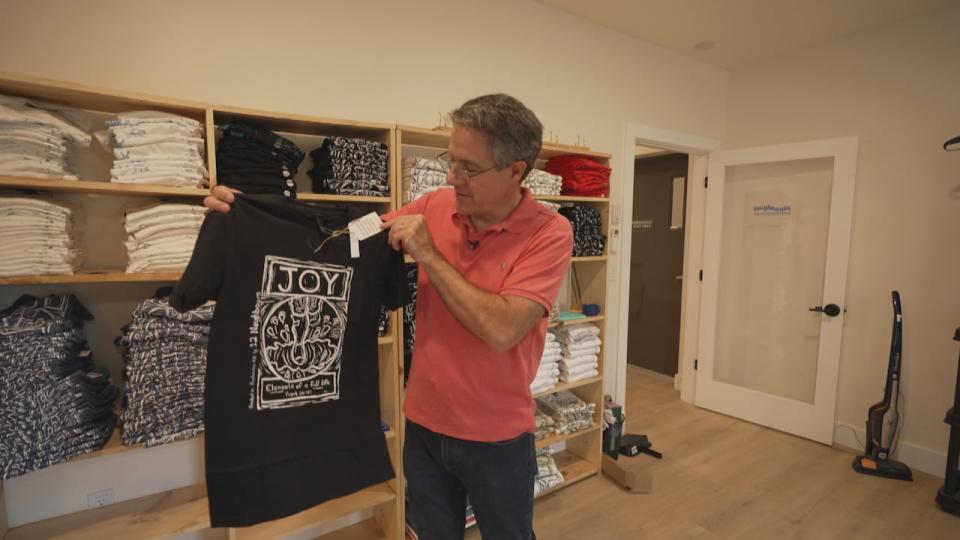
(830,310)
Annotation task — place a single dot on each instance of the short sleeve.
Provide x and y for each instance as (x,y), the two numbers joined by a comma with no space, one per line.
(540,269)
(393,285)
(417,206)
(203,277)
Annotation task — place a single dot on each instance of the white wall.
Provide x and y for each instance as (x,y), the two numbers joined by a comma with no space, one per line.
(897,89)
(388,62)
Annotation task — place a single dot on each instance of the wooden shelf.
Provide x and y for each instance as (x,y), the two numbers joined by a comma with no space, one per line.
(160,515)
(558,324)
(114,447)
(185,510)
(345,199)
(569,198)
(98,99)
(554,439)
(106,276)
(365,530)
(573,468)
(301,123)
(99,188)
(366,499)
(427,138)
(569,386)
(385,340)
(438,138)
(550,150)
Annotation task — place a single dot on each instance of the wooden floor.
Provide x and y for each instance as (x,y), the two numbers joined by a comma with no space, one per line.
(725,478)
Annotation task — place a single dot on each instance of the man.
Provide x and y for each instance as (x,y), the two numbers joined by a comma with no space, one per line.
(491,263)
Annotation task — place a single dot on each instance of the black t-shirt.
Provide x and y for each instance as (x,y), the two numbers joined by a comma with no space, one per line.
(292,387)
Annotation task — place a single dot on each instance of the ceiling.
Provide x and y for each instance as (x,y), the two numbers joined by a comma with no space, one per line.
(743,31)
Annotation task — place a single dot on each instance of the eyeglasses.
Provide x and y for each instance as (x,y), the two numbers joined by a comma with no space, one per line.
(458,170)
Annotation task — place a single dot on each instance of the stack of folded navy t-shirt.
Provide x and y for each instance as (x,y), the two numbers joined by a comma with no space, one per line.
(54,402)
(588,241)
(344,166)
(409,319)
(165,362)
(257,161)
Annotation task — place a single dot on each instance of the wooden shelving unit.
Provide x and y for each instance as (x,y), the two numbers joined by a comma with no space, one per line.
(185,509)
(582,456)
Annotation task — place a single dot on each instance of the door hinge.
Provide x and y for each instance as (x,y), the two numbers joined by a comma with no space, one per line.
(701,275)
(706,181)
(696,364)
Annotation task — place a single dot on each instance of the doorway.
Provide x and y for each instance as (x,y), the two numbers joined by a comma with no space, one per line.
(656,260)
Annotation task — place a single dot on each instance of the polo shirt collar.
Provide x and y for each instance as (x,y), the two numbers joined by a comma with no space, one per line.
(519,219)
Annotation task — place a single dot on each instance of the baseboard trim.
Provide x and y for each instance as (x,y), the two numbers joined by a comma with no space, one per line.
(652,373)
(917,457)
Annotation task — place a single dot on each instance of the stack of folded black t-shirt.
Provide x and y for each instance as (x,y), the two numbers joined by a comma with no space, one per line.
(588,241)
(344,166)
(54,402)
(165,362)
(257,161)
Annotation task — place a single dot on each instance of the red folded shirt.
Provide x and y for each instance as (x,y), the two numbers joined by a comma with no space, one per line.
(581,176)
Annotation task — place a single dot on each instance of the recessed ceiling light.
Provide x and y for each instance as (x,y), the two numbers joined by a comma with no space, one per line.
(704,46)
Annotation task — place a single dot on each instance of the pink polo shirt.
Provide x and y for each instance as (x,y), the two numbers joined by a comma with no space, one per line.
(458,385)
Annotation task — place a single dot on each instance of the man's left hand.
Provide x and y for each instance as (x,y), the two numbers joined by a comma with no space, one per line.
(410,234)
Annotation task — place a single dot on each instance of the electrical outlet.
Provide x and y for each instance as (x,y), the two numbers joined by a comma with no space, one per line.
(100,498)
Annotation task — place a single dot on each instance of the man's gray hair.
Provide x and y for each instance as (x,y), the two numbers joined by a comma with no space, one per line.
(513,131)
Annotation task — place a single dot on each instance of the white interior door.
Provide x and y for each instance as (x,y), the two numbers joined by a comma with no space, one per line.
(776,246)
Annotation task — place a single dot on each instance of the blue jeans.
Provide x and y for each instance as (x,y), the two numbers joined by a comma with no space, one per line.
(442,472)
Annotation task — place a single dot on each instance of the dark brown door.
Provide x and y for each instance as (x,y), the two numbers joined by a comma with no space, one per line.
(656,264)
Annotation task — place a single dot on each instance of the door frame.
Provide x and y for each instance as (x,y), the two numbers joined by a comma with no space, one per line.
(697,148)
(741,404)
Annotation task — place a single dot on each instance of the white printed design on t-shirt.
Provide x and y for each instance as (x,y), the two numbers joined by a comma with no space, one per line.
(297,333)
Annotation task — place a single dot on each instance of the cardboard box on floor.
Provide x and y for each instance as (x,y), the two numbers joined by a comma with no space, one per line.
(629,480)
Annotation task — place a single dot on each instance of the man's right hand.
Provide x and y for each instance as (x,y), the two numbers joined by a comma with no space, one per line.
(220,199)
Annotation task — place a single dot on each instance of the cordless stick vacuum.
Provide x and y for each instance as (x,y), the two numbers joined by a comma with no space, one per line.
(883,418)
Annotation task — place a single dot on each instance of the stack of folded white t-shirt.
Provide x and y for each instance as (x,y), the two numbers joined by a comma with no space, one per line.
(549,372)
(548,476)
(161,237)
(422,176)
(158,148)
(545,425)
(541,182)
(580,352)
(36,238)
(570,414)
(551,205)
(33,141)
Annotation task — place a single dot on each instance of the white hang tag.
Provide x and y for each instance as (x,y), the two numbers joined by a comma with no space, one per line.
(354,246)
(361,229)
